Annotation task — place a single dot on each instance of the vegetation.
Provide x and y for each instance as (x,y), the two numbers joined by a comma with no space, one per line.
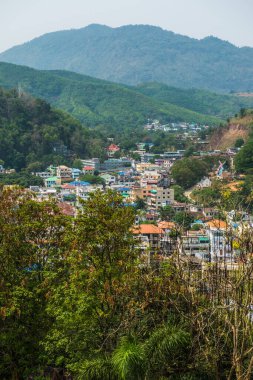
(189,171)
(136,54)
(198,100)
(33,135)
(22,179)
(78,300)
(94,102)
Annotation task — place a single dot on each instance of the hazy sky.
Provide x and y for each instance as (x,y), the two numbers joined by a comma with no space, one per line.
(22,20)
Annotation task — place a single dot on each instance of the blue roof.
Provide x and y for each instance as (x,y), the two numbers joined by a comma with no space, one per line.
(123,189)
(79,183)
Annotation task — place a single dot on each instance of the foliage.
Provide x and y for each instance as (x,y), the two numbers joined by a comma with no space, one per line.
(92,178)
(138,54)
(32,133)
(78,300)
(166,213)
(189,171)
(107,106)
(239,142)
(244,158)
(184,219)
(22,179)
(179,194)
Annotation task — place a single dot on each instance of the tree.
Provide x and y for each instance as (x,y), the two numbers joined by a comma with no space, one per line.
(29,232)
(239,142)
(244,158)
(77,163)
(188,171)
(184,219)
(166,213)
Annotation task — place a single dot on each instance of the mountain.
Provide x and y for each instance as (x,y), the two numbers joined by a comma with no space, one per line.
(134,54)
(96,102)
(31,132)
(202,101)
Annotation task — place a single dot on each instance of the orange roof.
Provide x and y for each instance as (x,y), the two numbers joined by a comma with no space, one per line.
(113,147)
(147,229)
(217,223)
(166,225)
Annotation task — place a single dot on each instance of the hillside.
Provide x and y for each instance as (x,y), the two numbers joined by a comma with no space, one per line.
(226,136)
(135,54)
(32,133)
(95,102)
(201,101)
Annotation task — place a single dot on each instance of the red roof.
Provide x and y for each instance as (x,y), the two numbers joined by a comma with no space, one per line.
(88,168)
(113,148)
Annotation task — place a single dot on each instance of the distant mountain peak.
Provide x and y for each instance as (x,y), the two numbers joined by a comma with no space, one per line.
(133,54)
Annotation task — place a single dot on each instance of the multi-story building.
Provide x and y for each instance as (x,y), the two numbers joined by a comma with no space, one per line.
(160,197)
(221,248)
(196,244)
(63,171)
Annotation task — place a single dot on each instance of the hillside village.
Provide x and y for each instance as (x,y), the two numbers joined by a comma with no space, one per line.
(165,222)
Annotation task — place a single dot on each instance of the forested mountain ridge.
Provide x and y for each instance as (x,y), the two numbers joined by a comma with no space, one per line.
(135,54)
(202,101)
(95,102)
(31,132)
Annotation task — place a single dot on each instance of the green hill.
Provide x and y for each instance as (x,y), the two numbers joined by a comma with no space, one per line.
(201,101)
(135,54)
(95,102)
(32,133)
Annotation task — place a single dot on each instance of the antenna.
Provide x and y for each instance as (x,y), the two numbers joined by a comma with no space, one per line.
(20,90)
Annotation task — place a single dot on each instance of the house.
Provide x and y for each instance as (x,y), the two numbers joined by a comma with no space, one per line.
(220,247)
(88,169)
(63,172)
(76,173)
(52,181)
(160,197)
(108,178)
(112,149)
(94,162)
(152,232)
(197,244)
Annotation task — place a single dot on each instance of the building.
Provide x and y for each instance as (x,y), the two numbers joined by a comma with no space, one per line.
(94,162)
(220,245)
(160,197)
(112,149)
(197,244)
(52,181)
(153,233)
(64,172)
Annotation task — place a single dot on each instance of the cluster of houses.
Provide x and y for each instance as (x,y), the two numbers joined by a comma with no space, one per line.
(207,240)
(155,125)
(146,182)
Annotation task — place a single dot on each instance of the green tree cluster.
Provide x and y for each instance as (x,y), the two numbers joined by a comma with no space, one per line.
(189,171)
(78,300)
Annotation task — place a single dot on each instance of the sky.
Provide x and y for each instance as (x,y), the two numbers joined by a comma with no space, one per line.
(23,20)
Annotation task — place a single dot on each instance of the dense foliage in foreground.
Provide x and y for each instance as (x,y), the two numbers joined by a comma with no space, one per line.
(76,298)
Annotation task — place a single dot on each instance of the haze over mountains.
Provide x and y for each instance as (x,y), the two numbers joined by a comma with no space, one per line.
(136,54)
